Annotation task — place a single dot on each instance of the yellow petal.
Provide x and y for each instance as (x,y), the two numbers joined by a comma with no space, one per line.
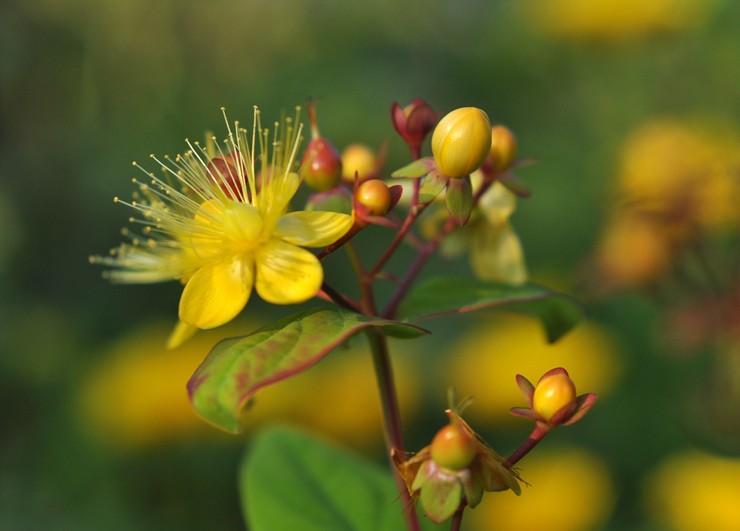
(498,203)
(287,274)
(181,333)
(312,229)
(276,194)
(216,293)
(497,254)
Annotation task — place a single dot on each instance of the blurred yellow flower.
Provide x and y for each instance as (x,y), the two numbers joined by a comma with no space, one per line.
(135,396)
(614,20)
(685,172)
(633,251)
(695,491)
(490,356)
(227,230)
(570,490)
(496,252)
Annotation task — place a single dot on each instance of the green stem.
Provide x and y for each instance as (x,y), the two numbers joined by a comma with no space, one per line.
(391,417)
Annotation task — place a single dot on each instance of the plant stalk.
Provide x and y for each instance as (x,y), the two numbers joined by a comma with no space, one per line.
(391,417)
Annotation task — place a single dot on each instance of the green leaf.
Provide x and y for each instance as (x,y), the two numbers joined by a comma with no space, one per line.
(236,368)
(441,498)
(291,481)
(459,199)
(431,186)
(441,296)
(416,169)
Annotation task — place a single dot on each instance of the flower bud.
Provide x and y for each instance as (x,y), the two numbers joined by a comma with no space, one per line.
(375,196)
(360,159)
(461,141)
(413,122)
(503,148)
(553,393)
(453,448)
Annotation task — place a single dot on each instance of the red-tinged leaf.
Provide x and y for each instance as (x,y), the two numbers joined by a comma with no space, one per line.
(237,368)
(448,295)
(416,169)
(515,185)
(431,186)
(459,198)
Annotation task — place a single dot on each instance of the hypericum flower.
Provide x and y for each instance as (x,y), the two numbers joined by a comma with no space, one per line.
(553,400)
(457,465)
(219,223)
(461,141)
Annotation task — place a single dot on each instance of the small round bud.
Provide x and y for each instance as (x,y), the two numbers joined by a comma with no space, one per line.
(503,148)
(553,393)
(375,196)
(321,165)
(461,141)
(360,159)
(453,448)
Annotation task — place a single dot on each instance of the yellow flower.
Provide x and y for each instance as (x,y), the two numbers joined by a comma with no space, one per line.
(570,490)
(694,491)
(496,253)
(219,223)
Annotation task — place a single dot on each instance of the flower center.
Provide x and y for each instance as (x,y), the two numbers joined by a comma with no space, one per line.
(242,223)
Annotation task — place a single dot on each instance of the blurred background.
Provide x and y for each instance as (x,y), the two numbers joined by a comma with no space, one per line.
(632,110)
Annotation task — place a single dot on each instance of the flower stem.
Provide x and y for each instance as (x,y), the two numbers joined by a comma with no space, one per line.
(391,417)
(538,433)
(457,517)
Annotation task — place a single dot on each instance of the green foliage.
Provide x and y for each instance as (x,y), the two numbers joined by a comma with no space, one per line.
(459,199)
(447,295)
(292,481)
(236,368)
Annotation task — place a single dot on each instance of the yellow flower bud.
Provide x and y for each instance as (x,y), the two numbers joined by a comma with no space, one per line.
(554,392)
(461,141)
(375,196)
(503,147)
(358,158)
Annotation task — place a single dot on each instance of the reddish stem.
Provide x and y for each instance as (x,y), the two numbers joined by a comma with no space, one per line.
(538,433)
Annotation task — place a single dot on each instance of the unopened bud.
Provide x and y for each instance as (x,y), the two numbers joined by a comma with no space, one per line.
(461,141)
(503,148)
(375,196)
(555,392)
(359,159)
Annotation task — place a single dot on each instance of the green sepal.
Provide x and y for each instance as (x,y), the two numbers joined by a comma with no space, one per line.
(448,295)
(432,184)
(440,497)
(237,368)
(459,198)
(416,169)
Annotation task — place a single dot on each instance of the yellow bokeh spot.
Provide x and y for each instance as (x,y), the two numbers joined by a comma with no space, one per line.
(487,360)
(615,20)
(570,490)
(696,491)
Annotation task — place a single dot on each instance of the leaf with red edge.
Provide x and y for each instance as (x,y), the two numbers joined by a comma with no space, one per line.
(237,368)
